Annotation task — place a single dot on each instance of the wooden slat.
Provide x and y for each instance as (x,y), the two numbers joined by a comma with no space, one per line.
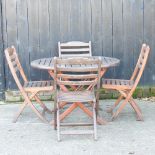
(74,43)
(117,82)
(77,69)
(40,84)
(14,63)
(85,11)
(42,61)
(138,29)
(64,8)
(37,83)
(75,50)
(113,82)
(108,81)
(48,83)
(50,66)
(23,35)
(76,124)
(128,38)
(16,68)
(60,82)
(96,26)
(11,30)
(34,41)
(107,31)
(75,17)
(118,36)
(2,76)
(124,32)
(77,61)
(75,55)
(122,82)
(139,66)
(69,76)
(12,57)
(77,132)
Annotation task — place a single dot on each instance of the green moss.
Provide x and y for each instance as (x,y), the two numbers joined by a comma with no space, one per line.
(152,91)
(140,92)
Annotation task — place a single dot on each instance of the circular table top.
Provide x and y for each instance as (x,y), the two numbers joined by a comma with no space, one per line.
(47,63)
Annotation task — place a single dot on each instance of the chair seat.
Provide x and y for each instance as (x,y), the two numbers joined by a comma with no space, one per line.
(38,85)
(76,96)
(118,84)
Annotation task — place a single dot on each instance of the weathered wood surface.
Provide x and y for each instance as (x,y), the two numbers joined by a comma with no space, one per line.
(83,88)
(74,48)
(29,89)
(149,37)
(116,29)
(127,87)
(48,63)
(2,78)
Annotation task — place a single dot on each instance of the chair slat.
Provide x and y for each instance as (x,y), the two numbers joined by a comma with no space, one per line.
(77,69)
(117,82)
(69,76)
(30,84)
(113,82)
(44,83)
(76,132)
(77,83)
(74,48)
(73,55)
(16,68)
(14,63)
(13,57)
(48,83)
(74,44)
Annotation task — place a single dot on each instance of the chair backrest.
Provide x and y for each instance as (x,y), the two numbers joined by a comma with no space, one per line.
(74,49)
(15,66)
(78,72)
(141,63)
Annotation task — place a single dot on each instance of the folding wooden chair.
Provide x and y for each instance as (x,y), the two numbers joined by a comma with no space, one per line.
(84,75)
(127,87)
(74,49)
(29,89)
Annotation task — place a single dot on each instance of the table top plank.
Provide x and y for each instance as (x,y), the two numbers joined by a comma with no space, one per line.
(47,63)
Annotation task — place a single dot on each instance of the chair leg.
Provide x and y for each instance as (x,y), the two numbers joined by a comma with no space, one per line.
(42,104)
(97,107)
(138,112)
(20,111)
(58,124)
(120,109)
(37,112)
(55,116)
(110,110)
(136,104)
(94,123)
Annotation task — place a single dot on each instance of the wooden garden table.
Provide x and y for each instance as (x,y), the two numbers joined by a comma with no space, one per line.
(47,64)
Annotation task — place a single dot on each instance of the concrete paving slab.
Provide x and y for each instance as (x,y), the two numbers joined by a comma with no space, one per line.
(124,136)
